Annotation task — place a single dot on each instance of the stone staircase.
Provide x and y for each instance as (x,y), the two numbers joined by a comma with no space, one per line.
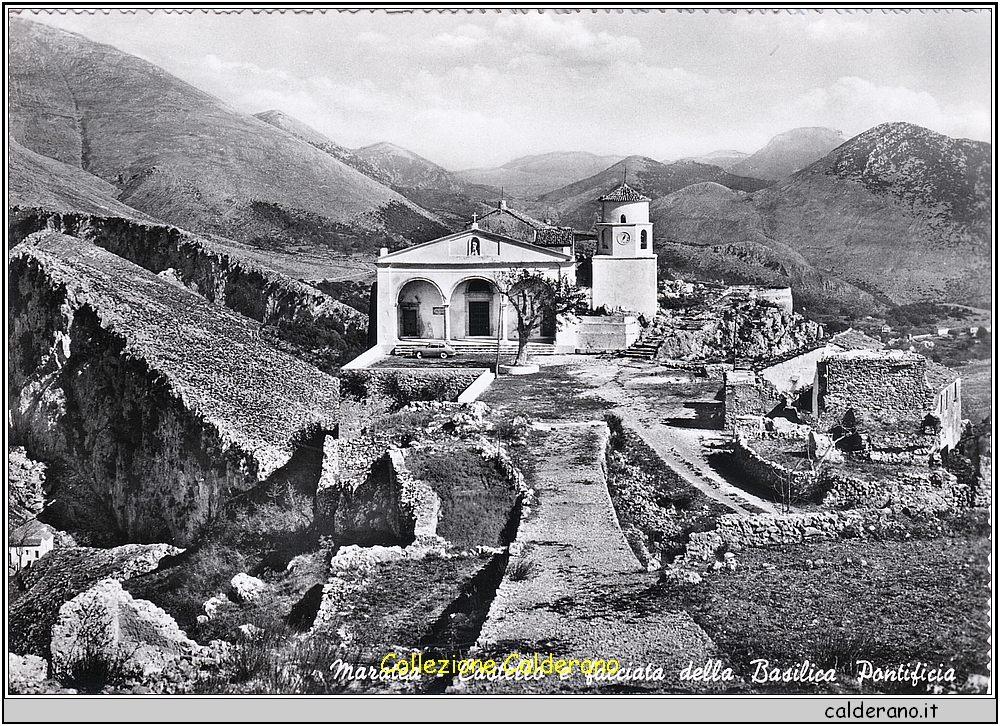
(481,347)
(643,349)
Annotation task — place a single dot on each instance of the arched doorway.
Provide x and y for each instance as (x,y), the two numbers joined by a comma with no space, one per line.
(474,306)
(420,310)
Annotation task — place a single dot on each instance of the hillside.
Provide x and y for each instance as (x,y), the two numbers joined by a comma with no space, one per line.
(575,204)
(899,212)
(788,152)
(40,182)
(425,183)
(529,176)
(708,232)
(723,159)
(416,178)
(182,156)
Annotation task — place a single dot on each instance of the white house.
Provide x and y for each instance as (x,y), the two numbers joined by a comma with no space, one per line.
(27,543)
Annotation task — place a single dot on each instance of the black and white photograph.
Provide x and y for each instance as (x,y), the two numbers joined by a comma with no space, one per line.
(447,352)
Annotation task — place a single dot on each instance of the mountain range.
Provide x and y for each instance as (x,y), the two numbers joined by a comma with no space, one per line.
(896,214)
(530,176)
(574,204)
(182,156)
(787,153)
(899,212)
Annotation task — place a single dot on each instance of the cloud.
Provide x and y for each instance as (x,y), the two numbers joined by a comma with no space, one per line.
(856,104)
(462,39)
(836,28)
(565,40)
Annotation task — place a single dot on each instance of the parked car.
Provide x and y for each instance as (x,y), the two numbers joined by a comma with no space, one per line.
(434,350)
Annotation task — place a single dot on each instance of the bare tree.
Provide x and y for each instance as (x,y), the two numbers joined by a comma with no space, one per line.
(535,297)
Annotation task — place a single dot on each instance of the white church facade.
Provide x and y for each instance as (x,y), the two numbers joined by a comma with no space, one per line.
(446,289)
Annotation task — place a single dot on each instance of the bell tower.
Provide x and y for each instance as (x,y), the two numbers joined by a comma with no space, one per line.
(624,264)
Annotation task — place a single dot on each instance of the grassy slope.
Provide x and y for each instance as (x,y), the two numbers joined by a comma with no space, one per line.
(919,600)
(38,181)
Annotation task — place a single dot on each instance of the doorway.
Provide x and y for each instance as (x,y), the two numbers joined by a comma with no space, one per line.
(411,325)
(479,318)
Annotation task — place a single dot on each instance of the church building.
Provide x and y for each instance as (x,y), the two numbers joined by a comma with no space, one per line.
(446,290)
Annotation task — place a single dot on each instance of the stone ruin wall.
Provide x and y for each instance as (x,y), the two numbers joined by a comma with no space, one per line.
(883,392)
(745,400)
(917,488)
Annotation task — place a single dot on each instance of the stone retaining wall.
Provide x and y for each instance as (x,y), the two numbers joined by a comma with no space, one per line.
(760,530)
(771,475)
(404,385)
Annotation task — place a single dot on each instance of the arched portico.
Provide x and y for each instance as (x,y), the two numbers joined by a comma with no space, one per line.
(421,310)
(474,309)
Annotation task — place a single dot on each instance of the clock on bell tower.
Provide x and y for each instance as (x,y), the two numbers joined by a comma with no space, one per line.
(624,264)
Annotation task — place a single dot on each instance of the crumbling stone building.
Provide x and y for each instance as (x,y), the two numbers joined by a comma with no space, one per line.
(893,396)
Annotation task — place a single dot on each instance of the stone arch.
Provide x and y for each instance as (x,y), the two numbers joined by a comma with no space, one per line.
(419,309)
(474,302)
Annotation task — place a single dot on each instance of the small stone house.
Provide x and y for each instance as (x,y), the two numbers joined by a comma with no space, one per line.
(892,394)
(28,543)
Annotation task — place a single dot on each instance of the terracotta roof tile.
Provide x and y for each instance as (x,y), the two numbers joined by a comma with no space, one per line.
(624,193)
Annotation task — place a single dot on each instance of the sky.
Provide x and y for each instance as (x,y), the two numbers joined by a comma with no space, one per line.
(478,89)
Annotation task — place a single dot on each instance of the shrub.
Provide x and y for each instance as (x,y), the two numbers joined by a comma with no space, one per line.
(841,650)
(522,569)
(97,661)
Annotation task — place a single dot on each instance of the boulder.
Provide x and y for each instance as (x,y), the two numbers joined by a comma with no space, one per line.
(106,625)
(354,557)
(216,603)
(26,674)
(248,589)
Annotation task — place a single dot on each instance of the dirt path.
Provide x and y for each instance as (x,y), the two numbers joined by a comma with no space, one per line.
(573,586)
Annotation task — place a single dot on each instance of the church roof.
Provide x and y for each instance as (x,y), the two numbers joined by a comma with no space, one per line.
(520,216)
(624,193)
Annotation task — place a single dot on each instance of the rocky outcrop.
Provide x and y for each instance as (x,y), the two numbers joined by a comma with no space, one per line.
(106,624)
(760,332)
(158,404)
(42,589)
(25,497)
(213,271)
